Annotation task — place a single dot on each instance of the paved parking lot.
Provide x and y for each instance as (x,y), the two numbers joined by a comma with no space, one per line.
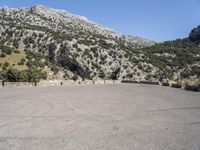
(99,117)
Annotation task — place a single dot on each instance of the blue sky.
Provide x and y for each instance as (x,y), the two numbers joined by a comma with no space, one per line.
(153,19)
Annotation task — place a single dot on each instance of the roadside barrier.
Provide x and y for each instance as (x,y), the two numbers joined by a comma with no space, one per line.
(141,82)
(173,84)
(57,83)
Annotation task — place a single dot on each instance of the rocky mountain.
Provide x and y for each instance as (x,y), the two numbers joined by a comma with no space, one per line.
(72,45)
(195,34)
(45,43)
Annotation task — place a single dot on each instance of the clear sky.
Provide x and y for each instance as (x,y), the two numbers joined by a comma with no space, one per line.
(153,19)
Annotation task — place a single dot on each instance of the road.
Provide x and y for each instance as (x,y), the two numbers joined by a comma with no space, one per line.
(99,117)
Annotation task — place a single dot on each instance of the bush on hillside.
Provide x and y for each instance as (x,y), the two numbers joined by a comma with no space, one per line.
(30,75)
(75,78)
(6,49)
(3,55)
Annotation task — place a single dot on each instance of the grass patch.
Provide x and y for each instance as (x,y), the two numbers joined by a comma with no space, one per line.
(14,59)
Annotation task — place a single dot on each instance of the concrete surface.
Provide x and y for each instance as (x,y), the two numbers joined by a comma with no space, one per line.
(99,117)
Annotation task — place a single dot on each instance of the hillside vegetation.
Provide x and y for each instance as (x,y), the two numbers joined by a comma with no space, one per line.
(43,43)
(176,59)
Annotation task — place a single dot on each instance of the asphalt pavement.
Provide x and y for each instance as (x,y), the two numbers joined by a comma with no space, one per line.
(99,117)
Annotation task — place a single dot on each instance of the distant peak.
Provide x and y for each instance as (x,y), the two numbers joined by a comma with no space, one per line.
(7,7)
(40,6)
(45,9)
(36,7)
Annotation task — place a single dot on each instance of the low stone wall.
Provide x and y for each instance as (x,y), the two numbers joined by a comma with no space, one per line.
(99,82)
(165,84)
(19,84)
(191,86)
(149,82)
(117,81)
(141,82)
(175,84)
(56,83)
(87,82)
(186,85)
(127,81)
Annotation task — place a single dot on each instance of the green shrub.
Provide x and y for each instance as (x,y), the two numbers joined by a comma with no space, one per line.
(30,75)
(103,57)
(51,49)
(195,71)
(75,78)
(66,75)
(54,69)
(138,74)
(115,73)
(28,40)
(86,52)
(101,74)
(22,62)
(130,76)
(5,65)
(75,46)
(16,44)
(6,49)
(16,52)
(3,55)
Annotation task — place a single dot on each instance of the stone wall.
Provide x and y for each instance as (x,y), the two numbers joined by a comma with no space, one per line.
(141,82)
(56,83)
(18,84)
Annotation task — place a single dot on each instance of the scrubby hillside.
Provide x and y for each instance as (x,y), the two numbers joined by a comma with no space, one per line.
(47,43)
(72,43)
(175,59)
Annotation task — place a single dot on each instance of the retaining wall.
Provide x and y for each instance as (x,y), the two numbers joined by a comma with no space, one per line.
(56,83)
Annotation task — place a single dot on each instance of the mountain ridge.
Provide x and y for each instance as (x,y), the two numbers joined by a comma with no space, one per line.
(61,45)
(47,10)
